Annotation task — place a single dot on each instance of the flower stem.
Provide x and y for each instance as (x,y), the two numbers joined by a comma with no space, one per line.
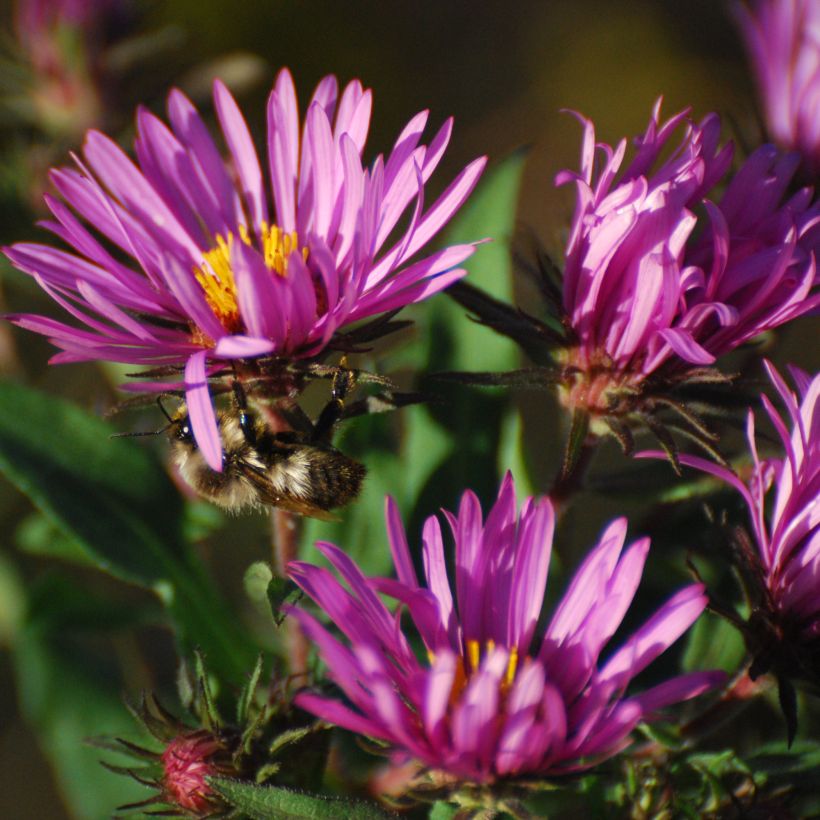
(285,536)
(570,477)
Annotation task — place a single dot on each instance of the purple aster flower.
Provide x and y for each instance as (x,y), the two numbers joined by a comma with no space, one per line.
(783,41)
(640,294)
(181,259)
(659,280)
(784,567)
(495,698)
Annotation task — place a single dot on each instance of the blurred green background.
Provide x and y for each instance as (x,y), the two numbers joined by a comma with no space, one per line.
(504,70)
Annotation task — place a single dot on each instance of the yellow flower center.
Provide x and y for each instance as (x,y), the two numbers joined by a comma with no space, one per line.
(470,662)
(216,275)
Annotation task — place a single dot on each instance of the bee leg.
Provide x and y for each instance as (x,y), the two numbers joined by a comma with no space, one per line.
(245,419)
(343,382)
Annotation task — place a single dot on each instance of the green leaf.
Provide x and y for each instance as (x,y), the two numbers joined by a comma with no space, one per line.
(279,592)
(268,802)
(70,690)
(12,600)
(713,643)
(442,811)
(112,499)
(38,535)
(512,453)
(490,213)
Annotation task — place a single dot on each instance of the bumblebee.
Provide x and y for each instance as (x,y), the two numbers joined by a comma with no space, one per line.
(297,470)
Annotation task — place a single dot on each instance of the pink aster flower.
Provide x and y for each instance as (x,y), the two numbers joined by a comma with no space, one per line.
(783,41)
(495,698)
(183,259)
(787,537)
(656,288)
(639,293)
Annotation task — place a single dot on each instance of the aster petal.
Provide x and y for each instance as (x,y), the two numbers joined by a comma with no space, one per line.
(283,148)
(192,132)
(242,347)
(435,571)
(681,341)
(655,636)
(436,217)
(676,690)
(190,296)
(131,188)
(258,295)
(587,585)
(319,140)
(243,152)
(336,713)
(438,690)
(398,544)
(201,411)
(530,574)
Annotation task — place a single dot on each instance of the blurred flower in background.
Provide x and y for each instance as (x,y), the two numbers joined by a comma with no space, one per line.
(218,271)
(782,38)
(496,700)
(61,42)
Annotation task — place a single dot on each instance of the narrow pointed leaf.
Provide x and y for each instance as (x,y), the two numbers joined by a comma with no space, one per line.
(266,802)
(113,499)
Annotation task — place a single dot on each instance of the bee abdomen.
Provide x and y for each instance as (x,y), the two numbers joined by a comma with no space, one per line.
(324,478)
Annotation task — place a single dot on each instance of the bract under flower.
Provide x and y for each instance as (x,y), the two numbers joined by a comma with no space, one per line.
(495,699)
(218,268)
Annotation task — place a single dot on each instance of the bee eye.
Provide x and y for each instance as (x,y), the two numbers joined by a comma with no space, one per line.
(184,432)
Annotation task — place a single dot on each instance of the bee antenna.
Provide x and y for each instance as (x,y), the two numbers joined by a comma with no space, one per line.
(164,413)
(144,432)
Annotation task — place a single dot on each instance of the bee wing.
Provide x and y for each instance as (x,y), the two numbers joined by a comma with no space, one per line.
(268,494)
(300,507)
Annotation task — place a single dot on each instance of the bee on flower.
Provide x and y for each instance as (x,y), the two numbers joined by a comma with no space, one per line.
(198,266)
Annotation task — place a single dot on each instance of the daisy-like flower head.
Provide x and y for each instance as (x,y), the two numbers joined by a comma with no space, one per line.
(786,565)
(183,259)
(639,294)
(783,42)
(660,281)
(494,698)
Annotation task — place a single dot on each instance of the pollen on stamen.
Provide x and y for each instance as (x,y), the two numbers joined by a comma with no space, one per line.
(216,275)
